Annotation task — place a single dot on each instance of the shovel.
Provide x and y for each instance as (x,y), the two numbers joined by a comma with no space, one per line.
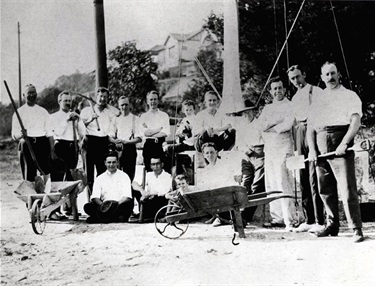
(298,162)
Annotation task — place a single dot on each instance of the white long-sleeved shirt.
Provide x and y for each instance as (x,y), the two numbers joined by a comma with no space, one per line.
(62,129)
(302,101)
(158,185)
(35,120)
(113,187)
(123,127)
(278,114)
(154,120)
(105,120)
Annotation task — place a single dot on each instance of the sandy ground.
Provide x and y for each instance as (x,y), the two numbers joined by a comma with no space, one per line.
(74,253)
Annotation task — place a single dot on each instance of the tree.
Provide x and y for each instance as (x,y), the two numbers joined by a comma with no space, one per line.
(130,74)
(77,82)
(313,41)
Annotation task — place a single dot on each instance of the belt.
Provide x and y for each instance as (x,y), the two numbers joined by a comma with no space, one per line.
(70,142)
(35,139)
(155,140)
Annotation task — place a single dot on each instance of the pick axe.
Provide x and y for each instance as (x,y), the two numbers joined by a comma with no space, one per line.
(298,162)
(39,181)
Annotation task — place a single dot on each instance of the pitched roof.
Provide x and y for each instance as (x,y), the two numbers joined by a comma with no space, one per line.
(182,37)
(157,48)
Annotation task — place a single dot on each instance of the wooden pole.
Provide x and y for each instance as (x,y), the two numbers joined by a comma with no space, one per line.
(19,67)
(101,56)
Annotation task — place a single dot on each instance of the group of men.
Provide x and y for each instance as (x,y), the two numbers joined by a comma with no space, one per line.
(315,122)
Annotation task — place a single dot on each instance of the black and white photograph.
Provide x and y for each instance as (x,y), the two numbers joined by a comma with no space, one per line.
(187,142)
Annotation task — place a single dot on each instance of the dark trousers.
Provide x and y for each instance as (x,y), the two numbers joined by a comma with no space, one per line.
(252,171)
(41,149)
(128,160)
(225,141)
(181,161)
(311,201)
(121,212)
(152,148)
(337,174)
(96,148)
(68,156)
(150,206)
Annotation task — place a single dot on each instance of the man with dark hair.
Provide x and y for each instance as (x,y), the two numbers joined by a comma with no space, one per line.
(276,122)
(35,120)
(67,129)
(301,103)
(158,183)
(98,120)
(111,199)
(155,129)
(334,121)
(213,126)
(124,133)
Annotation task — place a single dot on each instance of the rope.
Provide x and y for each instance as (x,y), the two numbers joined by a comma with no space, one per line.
(207,77)
(341,46)
(275,26)
(286,33)
(282,48)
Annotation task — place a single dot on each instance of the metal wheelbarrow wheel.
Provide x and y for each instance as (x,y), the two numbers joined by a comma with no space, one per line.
(171,230)
(38,221)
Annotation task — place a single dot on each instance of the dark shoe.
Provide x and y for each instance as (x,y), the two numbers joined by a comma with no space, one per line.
(358,235)
(91,220)
(273,224)
(328,231)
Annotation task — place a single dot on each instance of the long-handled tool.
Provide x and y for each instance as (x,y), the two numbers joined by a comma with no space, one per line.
(298,162)
(24,132)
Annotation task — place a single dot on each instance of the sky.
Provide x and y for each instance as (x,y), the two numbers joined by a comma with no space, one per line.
(58,36)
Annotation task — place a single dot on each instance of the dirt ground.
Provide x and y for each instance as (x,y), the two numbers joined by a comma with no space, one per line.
(74,253)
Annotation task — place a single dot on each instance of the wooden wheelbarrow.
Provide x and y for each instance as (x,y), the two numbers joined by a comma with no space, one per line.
(40,205)
(172,221)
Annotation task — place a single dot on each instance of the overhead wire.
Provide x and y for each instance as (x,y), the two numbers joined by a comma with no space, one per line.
(341,46)
(278,57)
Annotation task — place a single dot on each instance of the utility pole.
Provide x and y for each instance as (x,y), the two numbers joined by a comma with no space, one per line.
(19,67)
(101,56)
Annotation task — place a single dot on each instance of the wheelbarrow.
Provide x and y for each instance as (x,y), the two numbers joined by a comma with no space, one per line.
(41,205)
(172,221)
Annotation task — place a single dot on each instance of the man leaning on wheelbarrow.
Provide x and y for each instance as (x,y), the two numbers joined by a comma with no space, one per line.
(111,199)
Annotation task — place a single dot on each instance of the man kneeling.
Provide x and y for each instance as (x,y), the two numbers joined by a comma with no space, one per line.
(111,199)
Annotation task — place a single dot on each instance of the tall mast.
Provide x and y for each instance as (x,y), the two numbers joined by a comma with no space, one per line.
(232,95)
(19,66)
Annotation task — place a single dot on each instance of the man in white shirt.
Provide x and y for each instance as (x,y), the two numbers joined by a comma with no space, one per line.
(67,129)
(301,103)
(157,184)
(334,121)
(276,123)
(98,120)
(124,133)
(111,199)
(35,120)
(213,126)
(155,129)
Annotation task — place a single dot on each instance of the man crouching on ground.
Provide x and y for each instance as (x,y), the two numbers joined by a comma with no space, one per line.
(111,199)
